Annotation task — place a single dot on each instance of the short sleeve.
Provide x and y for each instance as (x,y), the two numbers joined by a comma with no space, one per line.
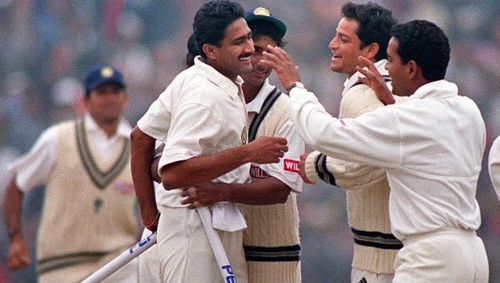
(33,168)
(156,121)
(287,169)
(194,131)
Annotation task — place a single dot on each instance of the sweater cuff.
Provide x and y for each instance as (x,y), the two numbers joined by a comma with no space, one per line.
(321,169)
(310,167)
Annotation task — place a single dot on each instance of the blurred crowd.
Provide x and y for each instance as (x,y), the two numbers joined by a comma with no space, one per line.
(47,46)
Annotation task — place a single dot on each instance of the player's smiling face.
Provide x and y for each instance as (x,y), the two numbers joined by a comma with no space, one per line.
(346,47)
(232,57)
(398,71)
(259,72)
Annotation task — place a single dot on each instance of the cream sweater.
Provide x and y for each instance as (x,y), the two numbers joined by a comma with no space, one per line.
(83,217)
(271,240)
(367,192)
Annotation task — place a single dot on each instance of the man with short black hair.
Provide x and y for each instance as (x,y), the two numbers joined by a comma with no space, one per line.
(271,241)
(431,147)
(201,118)
(364,30)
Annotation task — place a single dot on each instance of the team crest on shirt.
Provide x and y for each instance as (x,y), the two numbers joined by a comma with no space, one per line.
(244,136)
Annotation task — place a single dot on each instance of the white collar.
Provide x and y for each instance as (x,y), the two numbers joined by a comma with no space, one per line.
(436,89)
(355,77)
(123,130)
(223,82)
(256,104)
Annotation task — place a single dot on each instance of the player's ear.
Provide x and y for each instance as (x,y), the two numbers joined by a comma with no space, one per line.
(371,51)
(209,51)
(412,69)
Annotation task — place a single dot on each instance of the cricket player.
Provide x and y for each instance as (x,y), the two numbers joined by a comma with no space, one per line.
(431,147)
(88,215)
(271,241)
(206,137)
(364,30)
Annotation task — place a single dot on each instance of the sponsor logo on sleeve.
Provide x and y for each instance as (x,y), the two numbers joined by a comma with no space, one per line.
(256,172)
(291,165)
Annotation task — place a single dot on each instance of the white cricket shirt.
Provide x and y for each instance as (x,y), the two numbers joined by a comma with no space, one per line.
(295,143)
(431,146)
(202,112)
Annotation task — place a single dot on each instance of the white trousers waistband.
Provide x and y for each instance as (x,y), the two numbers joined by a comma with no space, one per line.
(443,231)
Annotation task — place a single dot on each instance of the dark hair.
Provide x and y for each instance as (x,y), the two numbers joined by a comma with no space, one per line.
(375,23)
(426,44)
(193,51)
(264,28)
(212,19)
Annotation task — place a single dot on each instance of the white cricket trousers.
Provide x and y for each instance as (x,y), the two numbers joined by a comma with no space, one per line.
(185,252)
(449,255)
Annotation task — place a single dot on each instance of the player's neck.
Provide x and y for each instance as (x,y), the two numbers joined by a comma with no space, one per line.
(250,91)
(109,128)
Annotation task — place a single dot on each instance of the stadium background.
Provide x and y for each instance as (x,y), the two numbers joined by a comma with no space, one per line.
(46,47)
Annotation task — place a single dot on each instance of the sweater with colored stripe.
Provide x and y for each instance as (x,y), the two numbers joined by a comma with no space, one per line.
(367,191)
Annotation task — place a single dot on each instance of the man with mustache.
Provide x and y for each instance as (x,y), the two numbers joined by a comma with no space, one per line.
(271,241)
(201,118)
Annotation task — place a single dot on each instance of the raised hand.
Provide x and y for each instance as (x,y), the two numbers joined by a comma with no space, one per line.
(267,149)
(286,71)
(374,80)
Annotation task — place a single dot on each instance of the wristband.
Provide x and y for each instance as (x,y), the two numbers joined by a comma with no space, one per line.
(293,85)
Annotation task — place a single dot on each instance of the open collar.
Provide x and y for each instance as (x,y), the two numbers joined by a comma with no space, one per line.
(355,77)
(436,89)
(123,130)
(256,104)
(223,82)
